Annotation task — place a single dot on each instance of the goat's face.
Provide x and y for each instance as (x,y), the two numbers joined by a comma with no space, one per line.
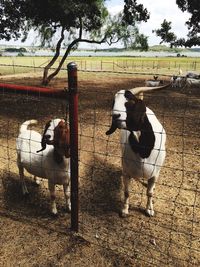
(128,112)
(61,140)
(48,134)
(136,111)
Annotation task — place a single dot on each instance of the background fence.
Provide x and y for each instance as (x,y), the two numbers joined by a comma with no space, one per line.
(171,238)
(169,66)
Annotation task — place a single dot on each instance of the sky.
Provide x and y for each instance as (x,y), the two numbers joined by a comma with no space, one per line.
(159,10)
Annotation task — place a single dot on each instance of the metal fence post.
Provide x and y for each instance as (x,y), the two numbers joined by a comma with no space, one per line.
(73,121)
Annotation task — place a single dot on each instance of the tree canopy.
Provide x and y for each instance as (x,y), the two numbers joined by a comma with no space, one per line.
(193,24)
(165,34)
(71,22)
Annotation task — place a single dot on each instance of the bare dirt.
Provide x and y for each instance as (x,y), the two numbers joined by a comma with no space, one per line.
(29,236)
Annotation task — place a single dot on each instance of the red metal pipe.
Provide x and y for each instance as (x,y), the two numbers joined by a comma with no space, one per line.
(32,90)
(73,122)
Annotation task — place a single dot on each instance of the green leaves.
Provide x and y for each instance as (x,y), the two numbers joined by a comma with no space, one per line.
(164,33)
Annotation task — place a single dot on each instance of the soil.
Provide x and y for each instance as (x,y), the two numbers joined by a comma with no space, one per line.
(30,236)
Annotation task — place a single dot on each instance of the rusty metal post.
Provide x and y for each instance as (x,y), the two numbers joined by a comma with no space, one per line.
(73,121)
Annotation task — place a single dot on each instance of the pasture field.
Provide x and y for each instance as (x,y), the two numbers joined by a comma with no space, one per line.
(31,237)
(165,66)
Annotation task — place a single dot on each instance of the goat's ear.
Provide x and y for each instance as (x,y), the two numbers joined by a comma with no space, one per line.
(45,141)
(130,96)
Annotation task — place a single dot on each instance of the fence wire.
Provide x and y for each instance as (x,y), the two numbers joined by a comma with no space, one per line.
(172,237)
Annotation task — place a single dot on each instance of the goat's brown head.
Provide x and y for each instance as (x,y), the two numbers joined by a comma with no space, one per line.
(61,142)
(135,110)
(48,134)
(128,112)
(61,139)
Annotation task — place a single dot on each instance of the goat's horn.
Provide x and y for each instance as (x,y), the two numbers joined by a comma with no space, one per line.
(138,90)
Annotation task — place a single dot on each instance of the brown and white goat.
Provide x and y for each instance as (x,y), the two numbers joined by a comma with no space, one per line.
(142,142)
(51,163)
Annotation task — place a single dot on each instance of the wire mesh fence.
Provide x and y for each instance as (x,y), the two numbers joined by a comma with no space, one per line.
(171,238)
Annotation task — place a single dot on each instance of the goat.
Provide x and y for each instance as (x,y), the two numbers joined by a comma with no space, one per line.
(191,81)
(154,82)
(192,75)
(177,81)
(142,142)
(52,163)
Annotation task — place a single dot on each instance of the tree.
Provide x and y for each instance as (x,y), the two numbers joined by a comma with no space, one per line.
(75,21)
(193,7)
(165,34)
(11,20)
(193,24)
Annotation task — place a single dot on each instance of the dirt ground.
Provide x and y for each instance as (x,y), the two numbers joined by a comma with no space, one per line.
(30,236)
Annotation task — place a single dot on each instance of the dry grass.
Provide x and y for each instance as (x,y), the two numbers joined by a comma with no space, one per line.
(31,237)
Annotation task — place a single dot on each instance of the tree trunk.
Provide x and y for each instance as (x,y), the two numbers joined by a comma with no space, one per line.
(52,75)
(53,60)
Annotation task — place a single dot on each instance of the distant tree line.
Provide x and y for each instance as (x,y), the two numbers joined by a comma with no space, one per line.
(14,49)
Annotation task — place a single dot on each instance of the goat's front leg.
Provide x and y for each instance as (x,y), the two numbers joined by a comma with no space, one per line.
(126,182)
(53,198)
(66,189)
(150,189)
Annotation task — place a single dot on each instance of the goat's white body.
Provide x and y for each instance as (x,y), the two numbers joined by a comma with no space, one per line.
(177,81)
(40,164)
(152,83)
(136,167)
(192,81)
(192,75)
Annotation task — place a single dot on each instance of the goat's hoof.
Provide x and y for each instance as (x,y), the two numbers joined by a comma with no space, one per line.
(54,212)
(123,214)
(67,209)
(25,194)
(150,213)
(54,215)
(37,182)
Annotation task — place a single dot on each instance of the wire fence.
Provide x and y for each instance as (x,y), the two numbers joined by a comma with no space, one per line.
(171,238)
(160,66)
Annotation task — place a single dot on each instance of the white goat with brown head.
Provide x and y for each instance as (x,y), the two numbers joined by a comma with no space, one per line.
(142,142)
(51,162)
